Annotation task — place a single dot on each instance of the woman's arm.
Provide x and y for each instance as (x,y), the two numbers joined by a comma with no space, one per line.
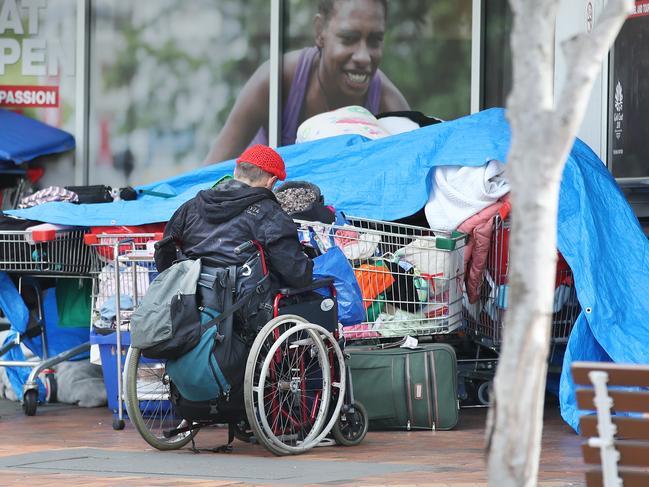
(391,98)
(249,113)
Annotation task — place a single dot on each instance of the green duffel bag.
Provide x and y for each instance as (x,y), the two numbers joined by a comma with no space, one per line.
(407,389)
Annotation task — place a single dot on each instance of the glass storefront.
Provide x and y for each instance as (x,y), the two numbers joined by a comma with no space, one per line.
(629,98)
(497,54)
(38,76)
(424,47)
(164,76)
(37,60)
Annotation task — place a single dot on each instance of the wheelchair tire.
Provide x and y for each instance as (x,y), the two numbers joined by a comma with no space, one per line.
(288,386)
(148,404)
(351,428)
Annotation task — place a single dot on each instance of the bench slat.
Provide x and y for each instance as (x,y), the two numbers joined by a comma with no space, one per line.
(623,401)
(631,478)
(632,453)
(618,374)
(627,428)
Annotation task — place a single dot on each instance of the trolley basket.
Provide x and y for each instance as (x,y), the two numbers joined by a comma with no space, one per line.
(45,249)
(411,278)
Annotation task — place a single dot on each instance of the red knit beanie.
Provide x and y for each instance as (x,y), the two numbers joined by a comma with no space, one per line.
(266,159)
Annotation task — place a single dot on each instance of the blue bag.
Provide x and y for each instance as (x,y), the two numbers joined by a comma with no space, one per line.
(350,300)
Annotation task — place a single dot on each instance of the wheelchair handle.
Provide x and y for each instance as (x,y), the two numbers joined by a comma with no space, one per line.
(164,242)
(243,247)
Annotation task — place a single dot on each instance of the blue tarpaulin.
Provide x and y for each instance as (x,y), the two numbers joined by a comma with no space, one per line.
(598,233)
(361,177)
(23,139)
(58,339)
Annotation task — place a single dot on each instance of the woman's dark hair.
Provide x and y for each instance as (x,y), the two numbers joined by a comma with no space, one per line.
(325,7)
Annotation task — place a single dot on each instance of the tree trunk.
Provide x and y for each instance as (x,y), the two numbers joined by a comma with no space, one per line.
(542,137)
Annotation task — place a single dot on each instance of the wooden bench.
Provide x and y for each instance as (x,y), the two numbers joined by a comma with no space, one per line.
(618,445)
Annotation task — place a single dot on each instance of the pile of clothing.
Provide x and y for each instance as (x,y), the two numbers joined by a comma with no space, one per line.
(399,284)
(98,193)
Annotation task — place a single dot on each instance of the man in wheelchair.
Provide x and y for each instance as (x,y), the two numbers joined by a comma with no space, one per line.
(268,357)
(217,223)
(240,232)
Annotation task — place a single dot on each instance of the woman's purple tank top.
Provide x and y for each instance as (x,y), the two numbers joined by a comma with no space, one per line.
(295,100)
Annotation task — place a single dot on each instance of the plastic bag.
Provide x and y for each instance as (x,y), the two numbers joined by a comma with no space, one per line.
(348,293)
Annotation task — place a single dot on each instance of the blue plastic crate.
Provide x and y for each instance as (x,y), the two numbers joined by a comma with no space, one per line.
(108,352)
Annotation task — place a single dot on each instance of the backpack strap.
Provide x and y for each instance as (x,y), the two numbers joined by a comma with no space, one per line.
(229,308)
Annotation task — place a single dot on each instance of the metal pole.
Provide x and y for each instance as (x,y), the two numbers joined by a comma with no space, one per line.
(476,56)
(82,110)
(276,68)
(118,319)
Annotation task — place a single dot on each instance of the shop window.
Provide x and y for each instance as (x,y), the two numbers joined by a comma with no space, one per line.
(37,71)
(424,50)
(164,76)
(497,55)
(628,110)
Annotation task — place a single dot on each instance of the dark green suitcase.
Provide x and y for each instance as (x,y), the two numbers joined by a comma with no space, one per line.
(406,389)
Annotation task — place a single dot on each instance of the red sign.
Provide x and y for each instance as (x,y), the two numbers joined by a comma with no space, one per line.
(29,96)
(641,8)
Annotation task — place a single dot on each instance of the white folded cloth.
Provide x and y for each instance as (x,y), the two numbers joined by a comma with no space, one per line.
(458,192)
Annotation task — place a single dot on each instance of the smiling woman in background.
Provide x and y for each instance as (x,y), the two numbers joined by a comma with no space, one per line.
(340,70)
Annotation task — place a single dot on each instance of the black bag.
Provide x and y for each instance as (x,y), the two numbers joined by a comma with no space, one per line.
(98,193)
(258,309)
(230,350)
(166,253)
(417,117)
(216,366)
(253,286)
(226,411)
(402,293)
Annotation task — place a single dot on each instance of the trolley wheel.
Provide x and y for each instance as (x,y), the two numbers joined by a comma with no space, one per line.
(51,387)
(118,424)
(30,402)
(484,393)
(351,428)
(288,385)
(148,403)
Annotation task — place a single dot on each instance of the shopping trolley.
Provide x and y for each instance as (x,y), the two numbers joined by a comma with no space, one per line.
(122,268)
(411,278)
(41,251)
(297,388)
(485,318)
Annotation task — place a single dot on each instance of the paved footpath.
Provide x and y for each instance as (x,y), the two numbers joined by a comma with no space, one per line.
(70,446)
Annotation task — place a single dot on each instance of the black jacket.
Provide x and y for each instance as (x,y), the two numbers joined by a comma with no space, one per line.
(217,220)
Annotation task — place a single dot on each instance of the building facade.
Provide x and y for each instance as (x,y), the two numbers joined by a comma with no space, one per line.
(146,86)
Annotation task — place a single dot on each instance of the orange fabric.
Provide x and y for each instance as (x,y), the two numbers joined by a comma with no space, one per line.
(373,280)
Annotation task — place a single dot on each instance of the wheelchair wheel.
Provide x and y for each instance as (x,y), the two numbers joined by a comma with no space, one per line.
(351,427)
(288,385)
(148,404)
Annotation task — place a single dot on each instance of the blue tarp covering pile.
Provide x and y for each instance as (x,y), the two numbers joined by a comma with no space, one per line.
(58,339)
(598,233)
(23,139)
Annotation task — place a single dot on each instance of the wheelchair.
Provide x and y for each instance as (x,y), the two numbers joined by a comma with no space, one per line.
(296,390)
